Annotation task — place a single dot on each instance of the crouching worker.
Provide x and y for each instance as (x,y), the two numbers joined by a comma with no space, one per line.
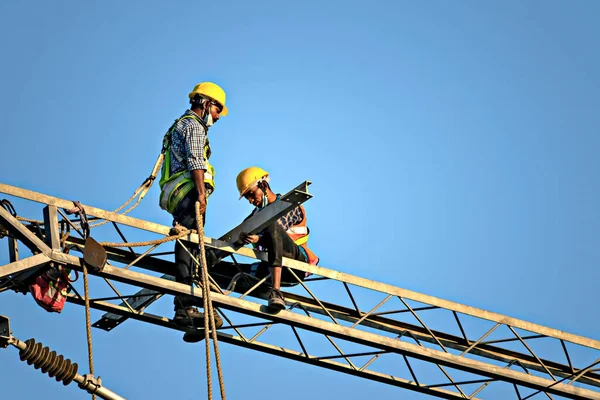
(286,237)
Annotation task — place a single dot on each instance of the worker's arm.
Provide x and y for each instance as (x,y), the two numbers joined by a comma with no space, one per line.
(195,139)
(198,178)
(248,239)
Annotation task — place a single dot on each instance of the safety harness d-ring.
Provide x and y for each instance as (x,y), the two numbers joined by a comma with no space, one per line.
(7,205)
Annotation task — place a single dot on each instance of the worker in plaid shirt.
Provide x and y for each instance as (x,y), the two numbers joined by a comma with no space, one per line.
(187,177)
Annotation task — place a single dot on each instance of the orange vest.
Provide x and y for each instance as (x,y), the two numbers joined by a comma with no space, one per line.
(299,234)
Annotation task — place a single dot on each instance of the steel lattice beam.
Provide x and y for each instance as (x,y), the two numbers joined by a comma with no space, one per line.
(342,332)
(144,298)
(275,350)
(370,326)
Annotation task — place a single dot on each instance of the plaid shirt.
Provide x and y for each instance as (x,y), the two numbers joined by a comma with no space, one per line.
(187,144)
(290,219)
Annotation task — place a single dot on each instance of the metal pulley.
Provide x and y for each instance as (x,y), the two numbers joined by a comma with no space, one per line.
(94,254)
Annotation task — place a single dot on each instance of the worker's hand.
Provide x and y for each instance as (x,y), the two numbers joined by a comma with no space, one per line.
(246,238)
(202,201)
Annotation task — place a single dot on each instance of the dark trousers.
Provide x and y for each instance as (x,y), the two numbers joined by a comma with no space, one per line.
(185,215)
(278,245)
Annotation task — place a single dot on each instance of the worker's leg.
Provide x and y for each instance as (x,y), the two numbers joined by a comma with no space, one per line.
(185,266)
(185,215)
(278,244)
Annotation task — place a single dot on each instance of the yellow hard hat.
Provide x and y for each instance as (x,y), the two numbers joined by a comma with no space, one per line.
(249,177)
(213,92)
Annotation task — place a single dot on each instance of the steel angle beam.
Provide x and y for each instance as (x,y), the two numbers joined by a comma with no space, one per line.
(51,227)
(40,250)
(96,212)
(261,219)
(18,230)
(13,249)
(23,265)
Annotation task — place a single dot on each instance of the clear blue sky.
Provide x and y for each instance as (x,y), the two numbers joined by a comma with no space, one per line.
(453,148)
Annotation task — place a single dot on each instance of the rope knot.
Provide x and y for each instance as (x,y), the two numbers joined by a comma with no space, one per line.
(178,230)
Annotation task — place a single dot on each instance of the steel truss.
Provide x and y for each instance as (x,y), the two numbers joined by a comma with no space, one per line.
(535,360)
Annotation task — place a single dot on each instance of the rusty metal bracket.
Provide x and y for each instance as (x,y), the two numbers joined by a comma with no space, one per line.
(4,331)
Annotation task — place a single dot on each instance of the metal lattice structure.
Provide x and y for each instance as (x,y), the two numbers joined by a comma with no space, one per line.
(371,329)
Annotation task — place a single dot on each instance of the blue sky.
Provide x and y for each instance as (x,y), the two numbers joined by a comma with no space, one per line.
(453,149)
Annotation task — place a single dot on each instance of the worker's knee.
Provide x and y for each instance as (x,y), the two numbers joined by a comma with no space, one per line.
(274,230)
(271,228)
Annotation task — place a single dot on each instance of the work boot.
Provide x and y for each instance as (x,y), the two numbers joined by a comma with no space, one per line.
(189,316)
(276,300)
(197,335)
